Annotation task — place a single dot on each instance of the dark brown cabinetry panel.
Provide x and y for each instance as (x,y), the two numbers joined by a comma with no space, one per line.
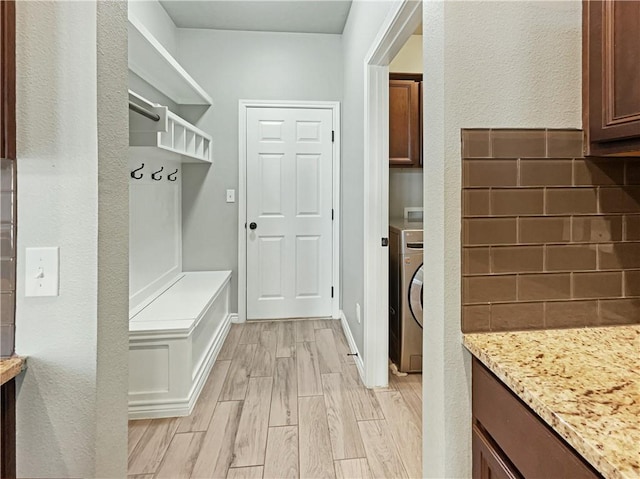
(509,438)
(611,77)
(7,80)
(405,120)
(488,461)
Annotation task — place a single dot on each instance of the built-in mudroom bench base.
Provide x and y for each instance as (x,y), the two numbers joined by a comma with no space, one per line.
(174,339)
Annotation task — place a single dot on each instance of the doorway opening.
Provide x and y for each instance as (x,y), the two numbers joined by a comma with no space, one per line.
(401,24)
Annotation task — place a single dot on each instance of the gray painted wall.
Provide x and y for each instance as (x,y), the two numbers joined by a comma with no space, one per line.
(72,193)
(361,29)
(233,65)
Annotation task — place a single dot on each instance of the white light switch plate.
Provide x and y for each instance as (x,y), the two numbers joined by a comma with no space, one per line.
(42,271)
(231,196)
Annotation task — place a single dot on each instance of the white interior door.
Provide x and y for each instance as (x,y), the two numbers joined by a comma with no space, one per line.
(289,212)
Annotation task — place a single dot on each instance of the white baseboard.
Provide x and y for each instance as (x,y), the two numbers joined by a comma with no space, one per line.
(352,345)
(235,319)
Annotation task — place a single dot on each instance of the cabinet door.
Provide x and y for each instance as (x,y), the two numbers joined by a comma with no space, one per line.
(611,75)
(488,461)
(404,123)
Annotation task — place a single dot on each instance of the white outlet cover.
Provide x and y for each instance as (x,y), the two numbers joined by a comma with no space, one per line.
(231,196)
(358,317)
(42,271)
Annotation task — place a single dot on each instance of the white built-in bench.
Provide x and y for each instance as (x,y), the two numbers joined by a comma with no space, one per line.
(174,338)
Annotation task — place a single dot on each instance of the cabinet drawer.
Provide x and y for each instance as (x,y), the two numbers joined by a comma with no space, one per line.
(533,448)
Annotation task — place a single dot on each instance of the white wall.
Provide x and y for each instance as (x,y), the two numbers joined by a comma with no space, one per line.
(487,64)
(155,225)
(74,342)
(234,65)
(405,190)
(409,58)
(113,258)
(157,21)
(365,19)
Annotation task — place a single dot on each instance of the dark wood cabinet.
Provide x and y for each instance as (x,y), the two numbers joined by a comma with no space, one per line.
(611,77)
(8,79)
(405,120)
(511,441)
(488,461)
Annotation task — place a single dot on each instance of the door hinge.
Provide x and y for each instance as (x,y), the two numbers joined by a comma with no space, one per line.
(333,136)
(332,291)
(331,214)
(385,241)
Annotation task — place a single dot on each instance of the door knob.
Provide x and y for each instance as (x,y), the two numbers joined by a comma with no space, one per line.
(252,226)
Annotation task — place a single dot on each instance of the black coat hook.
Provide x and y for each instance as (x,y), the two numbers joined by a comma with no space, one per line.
(133,173)
(174,174)
(158,178)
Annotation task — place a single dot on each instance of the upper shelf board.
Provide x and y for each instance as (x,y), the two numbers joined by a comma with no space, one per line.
(153,63)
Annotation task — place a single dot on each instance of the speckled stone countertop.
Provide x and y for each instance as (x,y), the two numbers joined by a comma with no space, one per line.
(11,367)
(584,383)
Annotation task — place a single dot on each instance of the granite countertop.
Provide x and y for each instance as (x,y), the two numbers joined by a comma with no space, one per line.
(584,383)
(11,367)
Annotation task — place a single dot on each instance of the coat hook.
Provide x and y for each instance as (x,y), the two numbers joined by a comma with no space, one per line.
(153,175)
(133,173)
(172,174)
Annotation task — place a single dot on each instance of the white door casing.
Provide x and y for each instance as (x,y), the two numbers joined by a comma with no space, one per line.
(287,183)
(404,17)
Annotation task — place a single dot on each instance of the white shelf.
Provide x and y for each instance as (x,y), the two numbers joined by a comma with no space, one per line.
(171,137)
(153,63)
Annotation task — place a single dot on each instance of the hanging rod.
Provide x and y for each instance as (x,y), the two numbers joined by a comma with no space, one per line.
(143,111)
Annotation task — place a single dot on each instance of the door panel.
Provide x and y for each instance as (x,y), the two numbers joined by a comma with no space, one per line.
(308,185)
(270,258)
(289,197)
(271,180)
(308,270)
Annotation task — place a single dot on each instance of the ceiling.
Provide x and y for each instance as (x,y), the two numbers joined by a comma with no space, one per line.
(302,16)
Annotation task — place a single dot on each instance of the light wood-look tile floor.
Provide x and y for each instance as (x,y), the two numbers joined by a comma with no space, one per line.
(284,400)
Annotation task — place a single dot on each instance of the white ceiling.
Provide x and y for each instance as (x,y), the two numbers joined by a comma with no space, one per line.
(304,16)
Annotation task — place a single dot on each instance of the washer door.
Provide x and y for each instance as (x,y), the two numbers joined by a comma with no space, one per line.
(415,295)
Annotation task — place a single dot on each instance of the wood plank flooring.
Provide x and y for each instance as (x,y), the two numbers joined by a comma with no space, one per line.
(284,400)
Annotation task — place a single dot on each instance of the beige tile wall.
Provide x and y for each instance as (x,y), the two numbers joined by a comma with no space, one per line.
(550,239)
(7,256)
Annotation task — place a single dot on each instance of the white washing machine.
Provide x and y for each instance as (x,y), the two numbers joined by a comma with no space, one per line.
(405,294)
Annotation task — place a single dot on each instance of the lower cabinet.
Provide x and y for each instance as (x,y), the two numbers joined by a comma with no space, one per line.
(488,460)
(511,441)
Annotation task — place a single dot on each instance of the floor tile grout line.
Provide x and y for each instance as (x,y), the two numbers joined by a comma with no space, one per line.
(349,386)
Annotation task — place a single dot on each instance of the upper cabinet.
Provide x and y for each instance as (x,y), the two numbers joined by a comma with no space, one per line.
(151,61)
(611,77)
(405,120)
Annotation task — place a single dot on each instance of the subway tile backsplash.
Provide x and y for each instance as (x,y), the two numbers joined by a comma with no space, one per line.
(7,256)
(550,239)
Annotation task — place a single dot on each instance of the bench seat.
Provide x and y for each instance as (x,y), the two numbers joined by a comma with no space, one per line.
(174,339)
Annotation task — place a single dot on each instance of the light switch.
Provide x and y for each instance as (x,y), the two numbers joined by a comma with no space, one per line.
(42,271)
(231,196)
